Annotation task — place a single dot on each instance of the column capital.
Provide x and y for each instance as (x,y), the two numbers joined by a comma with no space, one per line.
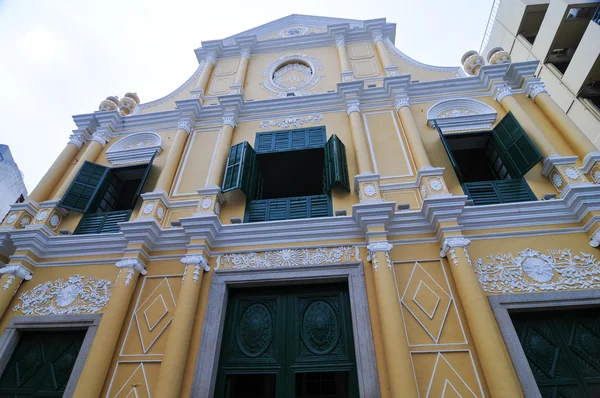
(533,90)
(401,102)
(381,246)
(77,139)
(230,119)
(185,124)
(211,57)
(17,270)
(352,106)
(246,52)
(595,238)
(132,264)
(377,36)
(452,242)
(502,92)
(340,40)
(101,137)
(198,261)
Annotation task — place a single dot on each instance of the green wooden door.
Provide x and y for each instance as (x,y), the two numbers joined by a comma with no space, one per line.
(288,342)
(41,364)
(563,350)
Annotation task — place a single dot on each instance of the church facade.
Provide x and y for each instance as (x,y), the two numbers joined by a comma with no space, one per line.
(313,213)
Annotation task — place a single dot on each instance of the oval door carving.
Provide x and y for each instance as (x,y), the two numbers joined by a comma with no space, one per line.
(255,330)
(320,328)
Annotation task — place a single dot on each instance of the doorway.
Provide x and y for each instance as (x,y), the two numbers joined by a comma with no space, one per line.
(288,342)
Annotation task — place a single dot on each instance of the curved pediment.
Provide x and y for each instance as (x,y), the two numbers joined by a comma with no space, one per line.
(461,114)
(135,148)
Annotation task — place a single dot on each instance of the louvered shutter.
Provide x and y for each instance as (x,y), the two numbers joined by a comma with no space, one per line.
(449,153)
(96,223)
(242,170)
(515,148)
(500,191)
(336,167)
(88,181)
(290,140)
(288,208)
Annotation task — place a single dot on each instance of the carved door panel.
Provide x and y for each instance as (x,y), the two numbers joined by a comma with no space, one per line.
(563,350)
(41,364)
(288,342)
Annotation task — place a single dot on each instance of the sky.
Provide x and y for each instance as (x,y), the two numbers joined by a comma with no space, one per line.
(60,58)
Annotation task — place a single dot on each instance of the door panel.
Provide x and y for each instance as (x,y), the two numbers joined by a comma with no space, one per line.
(563,350)
(299,338)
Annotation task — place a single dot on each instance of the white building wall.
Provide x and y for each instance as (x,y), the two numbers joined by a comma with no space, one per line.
(11,181)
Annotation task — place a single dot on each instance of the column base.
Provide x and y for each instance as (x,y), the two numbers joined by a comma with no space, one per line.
(367,186)
(591,166)
(563,173)
(211,200)
(21,215)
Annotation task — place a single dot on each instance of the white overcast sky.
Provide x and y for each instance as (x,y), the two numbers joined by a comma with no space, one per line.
(60,58)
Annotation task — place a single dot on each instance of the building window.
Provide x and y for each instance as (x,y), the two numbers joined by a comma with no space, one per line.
(532,21)
(288,174)
(490,165)
(41,364)
(590,92)
(106,195)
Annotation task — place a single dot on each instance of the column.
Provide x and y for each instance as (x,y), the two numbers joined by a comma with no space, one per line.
(346,72)
(494,358)
(222,151)
(504,96)
(381,50)
(99,139)
(397,355)
(580,143)
(101,353)
(12,276)
(180,330)
(209,63)
(58,168)
(415,142)
(240,75)
(165,179)
(359,137)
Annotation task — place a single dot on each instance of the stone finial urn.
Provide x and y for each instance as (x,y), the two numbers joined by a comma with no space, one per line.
(472,62)
(109,104)
(128,103)
(497,56)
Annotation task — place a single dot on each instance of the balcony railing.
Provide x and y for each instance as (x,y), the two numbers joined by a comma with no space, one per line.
(98,223)
(500,191)
(288,208)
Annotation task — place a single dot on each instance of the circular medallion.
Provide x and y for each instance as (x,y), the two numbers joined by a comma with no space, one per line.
(42,215)
(320,329)
(148,208)
(557,180)
(290,77)
(160,213)
(435,185)
(424,191)
(206,203)
(295,73)
(369,190)
(255,330)
(25,221)
(571,173)
(538,269)
(12,218)
(54,220)
(67,295)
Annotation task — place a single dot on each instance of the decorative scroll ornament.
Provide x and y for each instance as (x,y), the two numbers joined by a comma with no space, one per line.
(295,73)
(198,261)
(451,243)
(502,92)
(533,271)
(536,89)
(60,297)
(18,270)
(132,264)
(380,246)
(184,125)
(291,122)
(287,258)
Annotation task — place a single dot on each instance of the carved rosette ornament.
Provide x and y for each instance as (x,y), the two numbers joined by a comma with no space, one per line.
(75,295)
(533,271)
(132,265)
(502,92)
(535,89)
(563,175)
(50,217)
(449,245)
(198,261)
(377,247)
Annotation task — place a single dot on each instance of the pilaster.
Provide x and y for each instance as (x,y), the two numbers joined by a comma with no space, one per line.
(563,172)
(12,276)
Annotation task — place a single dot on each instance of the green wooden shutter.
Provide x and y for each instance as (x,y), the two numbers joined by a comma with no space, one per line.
(288,208)
(242,170)
(97,223)
(84,187)
(514,146)
(336,166)
(290,140)
(449,153)
(142,182)
(500,191)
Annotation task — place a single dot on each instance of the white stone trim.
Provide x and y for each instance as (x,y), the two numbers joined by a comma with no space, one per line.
(132,264)
(556,160)
(101,137)
(134,148)
(77,139)
(277,91)
(589,160)
(352,106)
(461,114)
(533,90)
(401,102)
(502,92)
(184,124)
(17,269)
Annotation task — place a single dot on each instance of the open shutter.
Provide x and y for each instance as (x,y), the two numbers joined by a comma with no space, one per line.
(84,187)
(514,146)
(290,140)
(242,170)
(143,180)
(449,153)
(336,166)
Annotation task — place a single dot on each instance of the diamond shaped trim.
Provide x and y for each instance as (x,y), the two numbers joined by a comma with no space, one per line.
(150,325)
(426,299)
(155,312)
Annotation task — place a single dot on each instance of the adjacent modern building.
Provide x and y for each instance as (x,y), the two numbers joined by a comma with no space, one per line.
(313,213)
(12,186)
(564,36)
